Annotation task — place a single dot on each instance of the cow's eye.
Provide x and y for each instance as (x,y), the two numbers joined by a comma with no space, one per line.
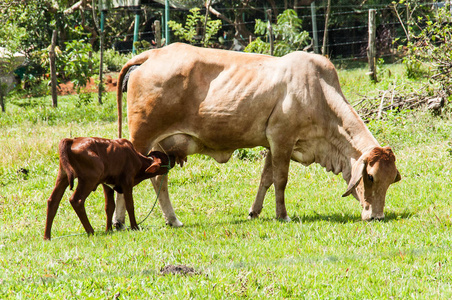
(371,178)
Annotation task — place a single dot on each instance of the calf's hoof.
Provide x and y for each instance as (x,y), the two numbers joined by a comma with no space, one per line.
(135,227)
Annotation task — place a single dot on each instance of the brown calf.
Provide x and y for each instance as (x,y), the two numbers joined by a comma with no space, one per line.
(113,163)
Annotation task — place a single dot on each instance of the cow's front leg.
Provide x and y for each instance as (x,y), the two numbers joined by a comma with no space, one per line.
(160,184)
(280,165)
(119,217)
(265,183)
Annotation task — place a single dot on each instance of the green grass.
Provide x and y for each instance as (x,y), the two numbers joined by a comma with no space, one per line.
(325,252)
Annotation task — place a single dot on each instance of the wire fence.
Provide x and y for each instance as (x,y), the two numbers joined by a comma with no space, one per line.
(347,37)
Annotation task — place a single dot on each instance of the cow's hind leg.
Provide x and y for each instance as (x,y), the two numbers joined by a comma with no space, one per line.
(265,183)
(54,201)
(78,203)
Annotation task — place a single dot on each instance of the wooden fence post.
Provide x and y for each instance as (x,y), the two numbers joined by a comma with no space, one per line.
(270,30)
(53,78)
(2,103)
(371,49)
(158,33)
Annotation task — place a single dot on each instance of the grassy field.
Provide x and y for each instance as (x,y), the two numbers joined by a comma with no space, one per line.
(325,252)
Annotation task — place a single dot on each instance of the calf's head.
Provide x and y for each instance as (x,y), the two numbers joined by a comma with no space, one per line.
(161,163)
(371,176)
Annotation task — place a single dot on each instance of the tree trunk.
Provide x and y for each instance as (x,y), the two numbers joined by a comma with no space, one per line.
(2,104)
(53,78)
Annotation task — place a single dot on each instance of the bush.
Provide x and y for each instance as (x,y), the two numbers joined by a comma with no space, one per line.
(194,26)
(114,60)
(430,50)
(287,34)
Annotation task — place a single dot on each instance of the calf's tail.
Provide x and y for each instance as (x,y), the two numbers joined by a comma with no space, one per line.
(63,148)
(137,60)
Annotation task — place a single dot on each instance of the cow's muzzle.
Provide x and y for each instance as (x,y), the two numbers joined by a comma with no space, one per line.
(369,215)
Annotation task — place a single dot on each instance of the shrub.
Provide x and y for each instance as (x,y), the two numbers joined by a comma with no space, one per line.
(430,50)
(114,60)
(287,34)
(194,26)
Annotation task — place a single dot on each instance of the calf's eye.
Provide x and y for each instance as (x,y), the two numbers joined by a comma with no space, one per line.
(371,178)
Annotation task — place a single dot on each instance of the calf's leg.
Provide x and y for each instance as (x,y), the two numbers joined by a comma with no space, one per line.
(265,183)
(109,205)
(128,197)
(78,203)
(54,201)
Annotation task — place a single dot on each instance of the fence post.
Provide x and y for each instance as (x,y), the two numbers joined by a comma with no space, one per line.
(100,87)
(2,103)
(158,33)
(314,28)
(167,33)
(371,49)
(270,30)
(135,30)
(53,78)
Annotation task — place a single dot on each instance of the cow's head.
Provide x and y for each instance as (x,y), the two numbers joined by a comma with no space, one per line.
(371,176)
(161,164)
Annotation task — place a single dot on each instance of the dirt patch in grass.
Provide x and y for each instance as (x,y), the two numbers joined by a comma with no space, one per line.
(110,82)
(178,269)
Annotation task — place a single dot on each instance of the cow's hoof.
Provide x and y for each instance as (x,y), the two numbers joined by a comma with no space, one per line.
(285,219)
(175,223)
(119,226)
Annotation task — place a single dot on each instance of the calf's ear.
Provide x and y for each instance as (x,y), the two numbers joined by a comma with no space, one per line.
(398,177)
(154,167)
(357,174)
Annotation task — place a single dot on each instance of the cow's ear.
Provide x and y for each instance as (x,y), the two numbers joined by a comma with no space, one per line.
(398,177)
(357,174)
(152,169)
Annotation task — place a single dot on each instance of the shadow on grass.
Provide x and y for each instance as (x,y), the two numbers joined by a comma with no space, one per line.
(390,216)
(340,218)
(345,218)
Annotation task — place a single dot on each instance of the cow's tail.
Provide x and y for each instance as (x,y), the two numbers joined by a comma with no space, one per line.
(137,60)
(63,148)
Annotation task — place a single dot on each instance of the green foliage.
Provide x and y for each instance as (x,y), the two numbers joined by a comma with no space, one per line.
(76,63)
(250,154)
(288,34)
(429,49)
(194,26)
(114,60)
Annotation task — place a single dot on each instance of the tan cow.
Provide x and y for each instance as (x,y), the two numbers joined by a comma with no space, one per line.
(184,100)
